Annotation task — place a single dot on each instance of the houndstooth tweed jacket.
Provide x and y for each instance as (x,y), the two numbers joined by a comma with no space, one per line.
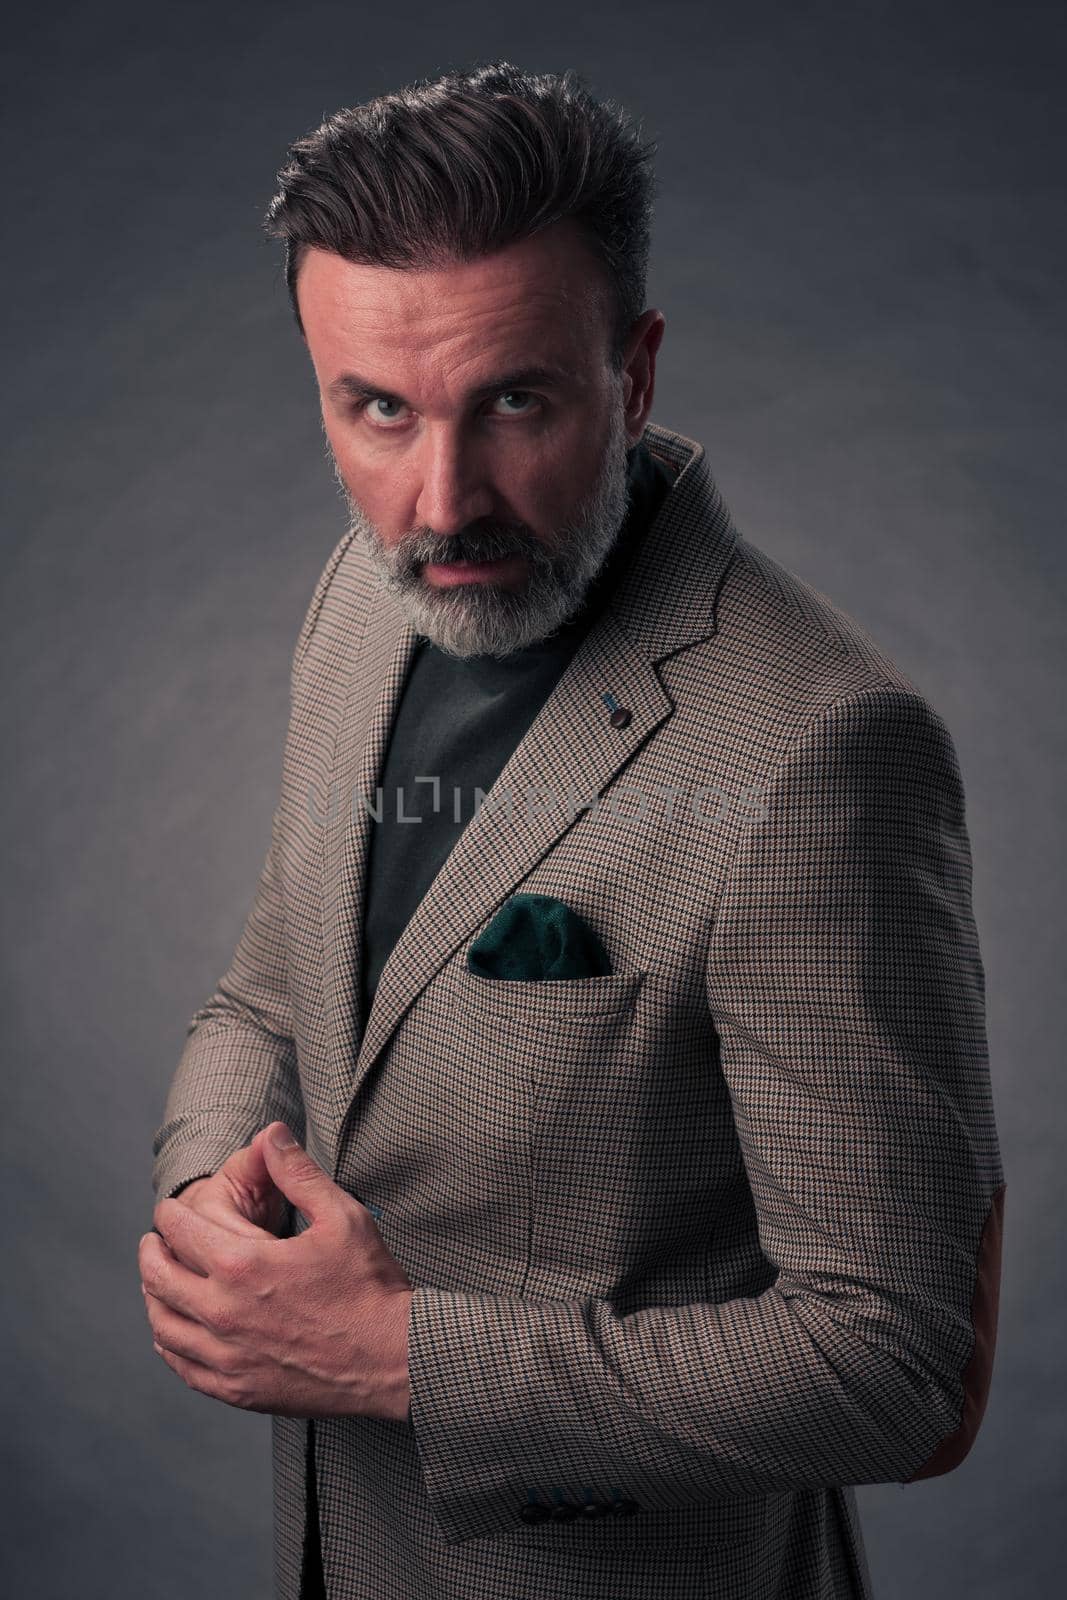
(697,1245)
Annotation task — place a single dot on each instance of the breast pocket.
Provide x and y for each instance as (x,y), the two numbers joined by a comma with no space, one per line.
(550,1003)
(455,1116)
(615,1122)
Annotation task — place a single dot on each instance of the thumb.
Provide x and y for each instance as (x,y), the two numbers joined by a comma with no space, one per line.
(249,1164)
(292,1170)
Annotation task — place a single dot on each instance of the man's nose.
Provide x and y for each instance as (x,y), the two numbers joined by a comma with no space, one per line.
(454,491)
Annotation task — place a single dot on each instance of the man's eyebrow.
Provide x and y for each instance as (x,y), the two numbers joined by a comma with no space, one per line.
(350,386)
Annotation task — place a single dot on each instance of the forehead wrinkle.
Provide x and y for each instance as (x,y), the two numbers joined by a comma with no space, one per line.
(455,361)
(477,317)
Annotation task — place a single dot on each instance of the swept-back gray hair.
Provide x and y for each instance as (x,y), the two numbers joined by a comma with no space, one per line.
(455,167)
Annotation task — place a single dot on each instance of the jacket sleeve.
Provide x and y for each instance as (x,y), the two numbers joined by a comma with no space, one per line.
(846,989)
(238,1070)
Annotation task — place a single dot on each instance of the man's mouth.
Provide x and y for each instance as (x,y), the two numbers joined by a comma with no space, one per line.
(446,575)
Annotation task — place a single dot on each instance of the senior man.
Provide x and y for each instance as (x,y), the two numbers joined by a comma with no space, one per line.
(588,1158)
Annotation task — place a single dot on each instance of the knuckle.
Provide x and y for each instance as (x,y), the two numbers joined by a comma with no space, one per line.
(236,1266)
(233,1389)
(224,1321)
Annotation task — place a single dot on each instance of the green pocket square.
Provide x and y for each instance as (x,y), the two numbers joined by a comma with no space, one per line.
(535,936)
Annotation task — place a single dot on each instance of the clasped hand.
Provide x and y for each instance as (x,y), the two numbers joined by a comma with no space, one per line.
(309,1326)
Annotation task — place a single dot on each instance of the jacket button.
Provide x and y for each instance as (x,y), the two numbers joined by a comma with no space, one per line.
(534,1512)
(620,717)
(563,1511)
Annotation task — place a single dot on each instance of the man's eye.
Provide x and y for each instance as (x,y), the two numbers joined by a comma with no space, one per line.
(380,400)
(523,395)
(519,403)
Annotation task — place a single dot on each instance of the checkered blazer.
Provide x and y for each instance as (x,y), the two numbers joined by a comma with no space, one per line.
(698,1245)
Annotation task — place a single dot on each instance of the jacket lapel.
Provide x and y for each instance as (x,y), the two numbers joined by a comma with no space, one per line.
(665,602)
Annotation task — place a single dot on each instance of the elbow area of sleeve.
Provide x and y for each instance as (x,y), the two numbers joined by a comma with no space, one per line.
(978,1374)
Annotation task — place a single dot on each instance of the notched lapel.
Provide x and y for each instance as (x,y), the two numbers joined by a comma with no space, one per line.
(569,754)
(379,664)
(666,603)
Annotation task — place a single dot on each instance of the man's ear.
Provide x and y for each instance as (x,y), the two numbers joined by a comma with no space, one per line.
(639,370)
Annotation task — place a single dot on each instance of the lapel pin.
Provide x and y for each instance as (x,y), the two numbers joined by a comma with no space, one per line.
(620,716)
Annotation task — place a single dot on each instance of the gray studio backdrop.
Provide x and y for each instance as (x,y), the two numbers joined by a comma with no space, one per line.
(857,253)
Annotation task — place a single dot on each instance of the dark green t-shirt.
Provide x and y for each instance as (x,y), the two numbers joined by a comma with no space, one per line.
(459,721)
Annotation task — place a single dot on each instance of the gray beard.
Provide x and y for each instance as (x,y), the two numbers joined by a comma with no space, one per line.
(476,619)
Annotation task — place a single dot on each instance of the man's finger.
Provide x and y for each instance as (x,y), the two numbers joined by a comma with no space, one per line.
(248,1168)
(299,1178)
(222,1204)
(167,1280)
(209,1247)
(250,1191)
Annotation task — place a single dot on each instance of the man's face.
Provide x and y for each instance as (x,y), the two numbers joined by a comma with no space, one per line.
(477,430)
